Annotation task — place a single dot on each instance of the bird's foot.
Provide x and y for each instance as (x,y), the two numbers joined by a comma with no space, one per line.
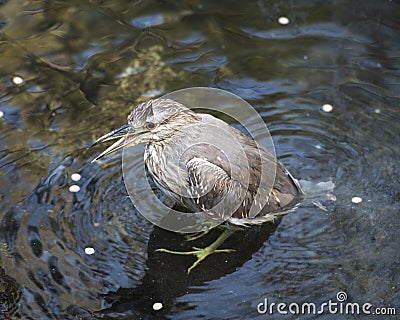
(192,237)
(198,235)
(202,253)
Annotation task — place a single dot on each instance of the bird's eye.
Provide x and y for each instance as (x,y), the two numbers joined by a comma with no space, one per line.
(150,125)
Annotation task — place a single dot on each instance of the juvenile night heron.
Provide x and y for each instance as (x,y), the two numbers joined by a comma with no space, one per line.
(168,129)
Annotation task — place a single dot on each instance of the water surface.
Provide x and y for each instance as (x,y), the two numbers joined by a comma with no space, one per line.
(71,71)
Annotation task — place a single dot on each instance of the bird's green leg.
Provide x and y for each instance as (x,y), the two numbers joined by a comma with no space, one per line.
(202,253)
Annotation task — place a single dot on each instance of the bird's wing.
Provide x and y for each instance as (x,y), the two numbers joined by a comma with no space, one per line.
(236,178)
(208,183)
(285,187)
(212,188)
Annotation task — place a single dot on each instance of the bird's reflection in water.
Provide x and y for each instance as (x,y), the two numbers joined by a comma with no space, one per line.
(167,277)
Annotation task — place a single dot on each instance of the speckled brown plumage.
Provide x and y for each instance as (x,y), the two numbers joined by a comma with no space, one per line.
(185,170)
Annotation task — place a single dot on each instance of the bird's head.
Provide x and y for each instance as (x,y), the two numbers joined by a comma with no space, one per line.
(151,121)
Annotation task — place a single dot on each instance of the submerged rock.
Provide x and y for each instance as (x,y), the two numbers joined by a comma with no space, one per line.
(9,295)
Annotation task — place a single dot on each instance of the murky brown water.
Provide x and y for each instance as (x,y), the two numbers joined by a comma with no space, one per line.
(71,71)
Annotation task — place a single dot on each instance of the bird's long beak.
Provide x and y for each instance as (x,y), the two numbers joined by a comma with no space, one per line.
(125,133)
